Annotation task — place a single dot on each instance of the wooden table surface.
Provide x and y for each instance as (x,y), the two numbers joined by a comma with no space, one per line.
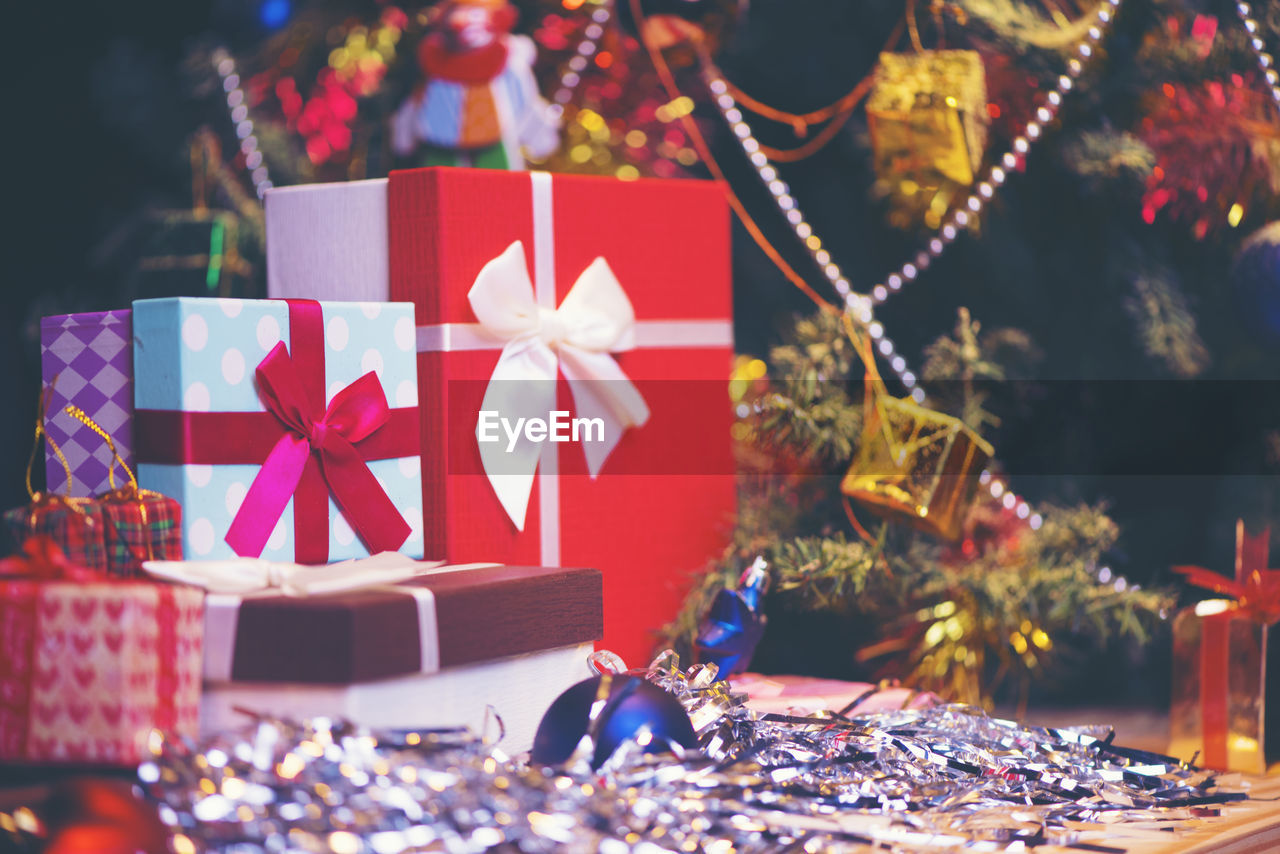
(1248,827)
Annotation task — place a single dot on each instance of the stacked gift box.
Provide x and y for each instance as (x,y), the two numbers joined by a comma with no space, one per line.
(660,503)
(433,651)
(339,424)
(92,656)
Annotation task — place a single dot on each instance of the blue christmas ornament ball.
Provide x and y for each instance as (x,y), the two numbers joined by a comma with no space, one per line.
(1255,281)
(633,704)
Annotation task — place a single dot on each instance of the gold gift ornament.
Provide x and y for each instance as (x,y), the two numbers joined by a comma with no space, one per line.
(927,116)
(914,464)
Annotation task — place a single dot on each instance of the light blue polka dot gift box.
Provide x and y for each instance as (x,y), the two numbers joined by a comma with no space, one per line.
(287,429)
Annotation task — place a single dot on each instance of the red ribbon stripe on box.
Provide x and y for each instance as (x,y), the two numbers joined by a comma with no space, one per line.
(306,451)
(1256,591)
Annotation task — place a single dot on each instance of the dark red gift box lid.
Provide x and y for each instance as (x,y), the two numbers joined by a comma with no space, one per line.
(479,614)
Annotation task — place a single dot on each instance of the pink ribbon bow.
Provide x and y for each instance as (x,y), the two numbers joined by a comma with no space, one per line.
(355,413)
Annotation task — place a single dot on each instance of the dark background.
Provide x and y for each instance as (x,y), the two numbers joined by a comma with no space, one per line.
(82,163)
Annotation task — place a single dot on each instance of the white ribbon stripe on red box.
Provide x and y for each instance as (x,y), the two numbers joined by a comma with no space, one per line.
(539,340)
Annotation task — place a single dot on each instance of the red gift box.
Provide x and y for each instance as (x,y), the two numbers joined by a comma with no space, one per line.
(89,665)
(140,525)
(77,525)
(662,500)
(1223,706)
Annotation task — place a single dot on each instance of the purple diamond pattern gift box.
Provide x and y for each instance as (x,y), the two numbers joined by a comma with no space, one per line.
(88,361)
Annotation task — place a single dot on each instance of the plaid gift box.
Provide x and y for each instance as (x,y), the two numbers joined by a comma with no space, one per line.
(77,525)
(140,525)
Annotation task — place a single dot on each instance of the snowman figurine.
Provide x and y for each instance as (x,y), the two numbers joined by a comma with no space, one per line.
(478,104)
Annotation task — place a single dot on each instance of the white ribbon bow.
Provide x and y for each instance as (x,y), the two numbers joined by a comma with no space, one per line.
(594,320)
(240,576)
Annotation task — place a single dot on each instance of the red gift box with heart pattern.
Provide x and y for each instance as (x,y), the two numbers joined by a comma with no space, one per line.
(88,669)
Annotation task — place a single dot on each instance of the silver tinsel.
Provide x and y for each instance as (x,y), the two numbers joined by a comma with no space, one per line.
(945,778)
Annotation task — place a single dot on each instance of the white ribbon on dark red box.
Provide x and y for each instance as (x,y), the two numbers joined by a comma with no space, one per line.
(537,339)
(242,576)
(230,582)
